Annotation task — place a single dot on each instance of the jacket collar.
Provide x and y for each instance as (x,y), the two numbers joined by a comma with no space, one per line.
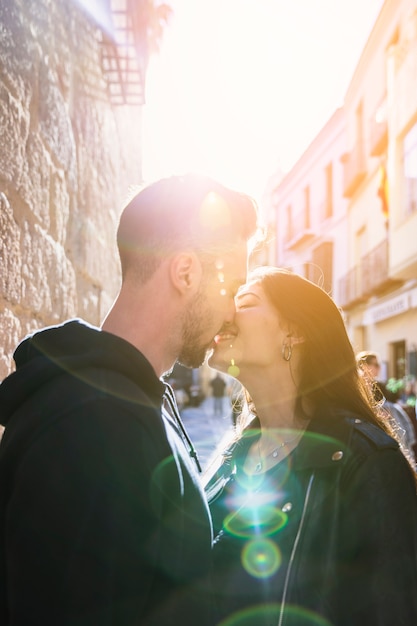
(326,441)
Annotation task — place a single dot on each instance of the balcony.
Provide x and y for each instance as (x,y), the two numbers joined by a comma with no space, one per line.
(369,278)
(375,267)
(378,130)
(299,230)
(350,288)
(123,59)
(354,170)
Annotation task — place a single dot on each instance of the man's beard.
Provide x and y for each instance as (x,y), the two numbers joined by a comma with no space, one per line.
(198,318)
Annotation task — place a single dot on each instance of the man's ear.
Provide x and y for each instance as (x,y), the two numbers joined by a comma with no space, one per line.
(186,272)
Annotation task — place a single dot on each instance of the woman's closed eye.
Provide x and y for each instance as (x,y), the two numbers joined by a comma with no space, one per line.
(245,304)
(246,300)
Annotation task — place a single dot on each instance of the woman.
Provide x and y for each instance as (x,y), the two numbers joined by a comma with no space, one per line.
(314,505)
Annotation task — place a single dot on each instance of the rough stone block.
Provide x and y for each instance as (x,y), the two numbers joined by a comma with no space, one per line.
(48,276)
(18,51)
(10,257)
(11,336)
(59,206)
(14,125)
(54,122)
(35,180)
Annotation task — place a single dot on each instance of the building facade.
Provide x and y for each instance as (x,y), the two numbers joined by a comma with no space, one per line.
(311,211)
(346,214)
(71,92)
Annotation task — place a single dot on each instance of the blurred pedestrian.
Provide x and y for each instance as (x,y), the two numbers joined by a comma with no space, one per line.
(409,393)
(400,420)
(102,517)
(368,363)
(181,396)
(218,387)
(314,505)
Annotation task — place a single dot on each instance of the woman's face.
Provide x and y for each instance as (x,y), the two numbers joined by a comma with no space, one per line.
(254,340)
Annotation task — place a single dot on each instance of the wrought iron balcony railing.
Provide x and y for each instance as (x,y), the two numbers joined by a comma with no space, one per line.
(370,277)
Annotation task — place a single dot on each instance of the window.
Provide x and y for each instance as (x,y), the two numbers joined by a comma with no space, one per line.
(399,359)
(289,223)
(359,129)
(410,170)
(322,259)
(307,207)
(360,245)
(328,203)
(360,251)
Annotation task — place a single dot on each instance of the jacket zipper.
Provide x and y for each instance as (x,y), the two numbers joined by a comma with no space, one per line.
(171,408)
(294,549)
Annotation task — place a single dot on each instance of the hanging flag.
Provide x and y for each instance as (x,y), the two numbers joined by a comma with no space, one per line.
(383,190)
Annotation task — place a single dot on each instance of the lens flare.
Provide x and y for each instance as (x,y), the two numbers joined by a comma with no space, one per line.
(261,558)
(249,521)
(214,212)
(250,484)
(233,369)
(270,613)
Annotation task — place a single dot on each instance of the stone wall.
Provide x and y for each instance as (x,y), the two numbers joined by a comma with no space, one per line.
(67,160)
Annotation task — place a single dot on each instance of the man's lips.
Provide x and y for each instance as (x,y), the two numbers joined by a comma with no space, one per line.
(220,337)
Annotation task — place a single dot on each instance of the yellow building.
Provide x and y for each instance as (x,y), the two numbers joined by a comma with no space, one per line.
(368,254)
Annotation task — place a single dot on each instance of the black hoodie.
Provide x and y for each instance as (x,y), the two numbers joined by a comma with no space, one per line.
(102,517)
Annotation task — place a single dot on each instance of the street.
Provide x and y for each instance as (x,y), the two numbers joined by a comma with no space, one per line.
(206,430)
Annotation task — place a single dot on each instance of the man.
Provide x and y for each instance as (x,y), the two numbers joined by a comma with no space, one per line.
(103,521)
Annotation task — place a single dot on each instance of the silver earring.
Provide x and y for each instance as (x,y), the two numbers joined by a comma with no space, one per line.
(286,351)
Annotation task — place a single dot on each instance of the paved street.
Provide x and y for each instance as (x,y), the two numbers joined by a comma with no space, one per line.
(207,430)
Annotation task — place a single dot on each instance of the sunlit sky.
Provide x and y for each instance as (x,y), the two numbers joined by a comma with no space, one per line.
(241,87)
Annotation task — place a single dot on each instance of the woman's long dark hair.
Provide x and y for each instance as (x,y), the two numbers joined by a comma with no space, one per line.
(327,373)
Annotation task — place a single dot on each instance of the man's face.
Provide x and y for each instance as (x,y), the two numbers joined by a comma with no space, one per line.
(213,306)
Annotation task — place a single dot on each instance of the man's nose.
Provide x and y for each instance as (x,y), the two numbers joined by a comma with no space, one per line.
(231,312)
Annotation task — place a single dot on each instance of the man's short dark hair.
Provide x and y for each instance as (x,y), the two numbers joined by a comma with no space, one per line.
(190,211)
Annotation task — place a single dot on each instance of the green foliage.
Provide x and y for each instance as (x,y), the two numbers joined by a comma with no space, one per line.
(401,385)
(395,384)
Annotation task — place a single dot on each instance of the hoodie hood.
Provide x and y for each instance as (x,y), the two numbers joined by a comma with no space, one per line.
(68,349)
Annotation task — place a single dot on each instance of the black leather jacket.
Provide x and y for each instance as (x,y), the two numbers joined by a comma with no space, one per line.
(330,535)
